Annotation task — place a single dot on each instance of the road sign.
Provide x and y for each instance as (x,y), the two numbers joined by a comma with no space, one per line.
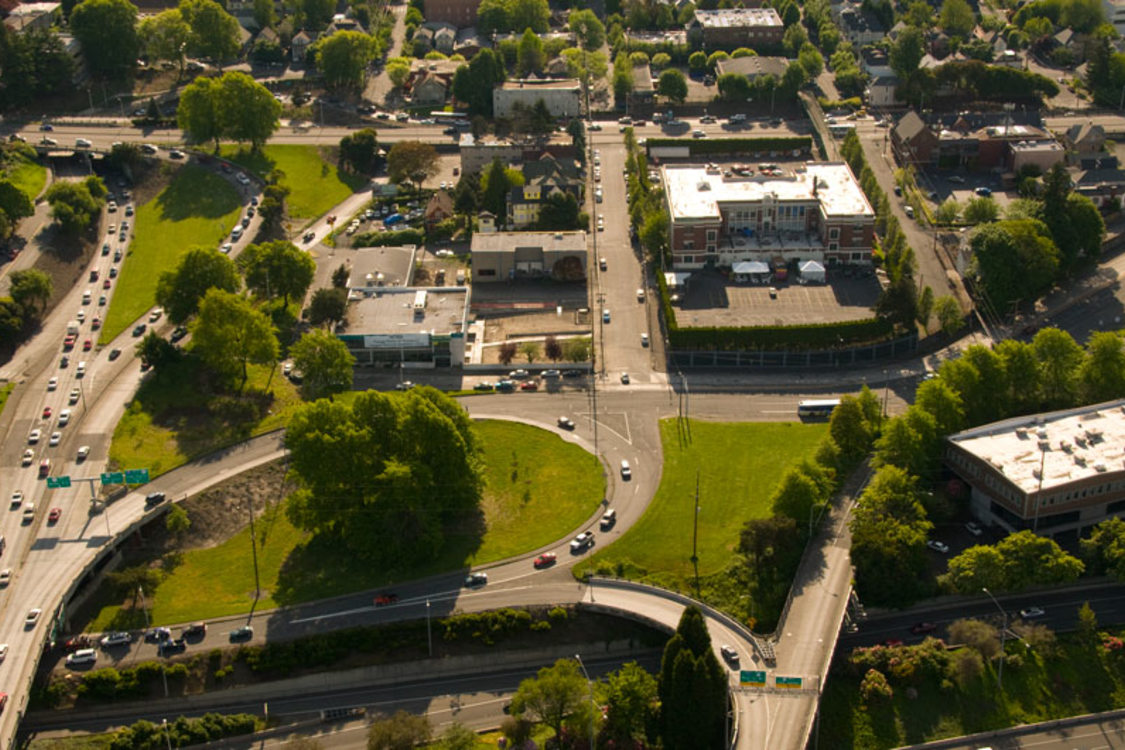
(136,476)
(54,483)
(113,477)
(792,683)
(752,677)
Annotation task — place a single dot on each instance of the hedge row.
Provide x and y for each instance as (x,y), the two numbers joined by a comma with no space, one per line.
(183,732)
(779,338)
(110,684)
(736,145)
(385,239)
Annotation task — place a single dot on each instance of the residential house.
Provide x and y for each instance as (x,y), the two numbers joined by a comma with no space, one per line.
(543,178)
(33,17)
(468,43)
(429,89)
(881,92)
(444,37)
(478,154)
(562,97)
(731,28)
(875,62)
(1084,139)
(299,45)
(641,101)
(438,209)
(912,142)
(860,27)
(1101,180)
(341,22)
(1115,14)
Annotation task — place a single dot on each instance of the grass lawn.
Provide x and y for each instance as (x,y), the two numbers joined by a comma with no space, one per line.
(738,465)
(315,184)
(1040,684)
(5,391)
(197,208)
(538,489)
(28,175)
(171,420)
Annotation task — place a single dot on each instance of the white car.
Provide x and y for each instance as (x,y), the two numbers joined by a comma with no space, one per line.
(1031,613)
(81,316)
(17,499)
(64,417)
(75,394)
(115,639)
(28,457)
(937,546)
(32,617)
(33,438)
(56,438)
(3,651)
(626,470)
(83,452)
(974,528)
(5,576)
(52,384)
(582,541)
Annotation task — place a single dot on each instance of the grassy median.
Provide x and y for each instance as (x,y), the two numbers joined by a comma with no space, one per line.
(315,184)
(197,208)
(28,175)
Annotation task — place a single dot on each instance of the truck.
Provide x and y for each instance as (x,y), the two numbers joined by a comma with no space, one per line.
(72,328)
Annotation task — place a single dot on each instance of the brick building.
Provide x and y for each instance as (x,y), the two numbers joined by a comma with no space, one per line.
(731,28)
(720,218)
(460,13)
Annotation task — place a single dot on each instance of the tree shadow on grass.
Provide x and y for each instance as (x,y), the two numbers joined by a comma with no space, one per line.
(256,161)
(196,193)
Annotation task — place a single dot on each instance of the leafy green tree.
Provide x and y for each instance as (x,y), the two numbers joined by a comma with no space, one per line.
(398,466)
(925,307)
(277,268)
(157,352)
(198,111)
(1016,562)
(14,202)
(325,363)
(715,58)
(553,695)
(559,213)
(1102,374)
(529,349)
(796,495)
(31,289)
(771,550)
(692,687)
(630,697)
(11,321)
(398,70)
(957,18)
(907,51)
(214,32)
(981,210)
(314,14)
(343,57)
(672,85)
(794,38)
(948,211)
(328,306)
(1059,361)
(889,530)
(948,313)
(1088,626)
(812,62)
(492,16)
(402,731)
(531,58)
(587,29)
(978,635)
(734,87)
(529,14)
(107,30)
(1104,550)
(1014,259)
(73,207)
(264,14)
(412,161)
(228,334)
(180,290)
(359,151)
(177,522)
(851,430)
(943,404)
(909,441)
(33,63)
(697,61)
(165,36)
(248,112)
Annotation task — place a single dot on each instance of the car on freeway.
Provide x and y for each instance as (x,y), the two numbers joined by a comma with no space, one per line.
(64,417)
(3,651)
(518,374)
(117,638)
(581,542)
(937,546)
(56,438)
(28,457)
(46,412)
(178,333)
(154,498)
(33,438)
(405,385)
(96,323)
(474,580)
(1030,613)
(114,354)
(605,316)
(383,600)
(974,528)
(919,628)
(625,378)
(546,560)
(244,633)
(83,453)
(729,654)
(74,394)
(106,283)
(87,345)
(17,499)
(44,468)
(626,470)
(485,386)
(644,339)
(609,519)
(505,386)
(566,423)
(32,617)
(529,385)
(5,576)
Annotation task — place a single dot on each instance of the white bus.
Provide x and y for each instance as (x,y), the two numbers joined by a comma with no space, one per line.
(817,407)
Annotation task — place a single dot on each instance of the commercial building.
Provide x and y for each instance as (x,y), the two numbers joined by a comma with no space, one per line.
(392,324)
(460,13)
(561,97)
(501,256)
(754,67)
(478,153)
(33,17)
(731,28)
(1115,14)
(817,212)
(1053,472)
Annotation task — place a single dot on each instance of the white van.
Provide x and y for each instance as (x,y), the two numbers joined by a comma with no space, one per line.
(236,233)
(86,296)
(82,656)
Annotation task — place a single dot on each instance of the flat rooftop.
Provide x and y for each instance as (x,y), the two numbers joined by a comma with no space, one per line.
(391,311)
(511,241)
(1071,445)
(563,83)
(696,192)
(381,266)
(738,17)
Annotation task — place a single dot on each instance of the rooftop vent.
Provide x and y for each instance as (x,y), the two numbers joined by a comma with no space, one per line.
(1021,432)
(1042,433)
(1080,460)
(703,186)
(1065,445)
(1099,466)
(1044,445)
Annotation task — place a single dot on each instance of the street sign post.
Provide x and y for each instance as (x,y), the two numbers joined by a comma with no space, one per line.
(752,677)
(54,483)
(136,476)
(113,477)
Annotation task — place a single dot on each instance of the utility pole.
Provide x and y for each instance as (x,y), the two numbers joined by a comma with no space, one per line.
(695,535)
(254,552)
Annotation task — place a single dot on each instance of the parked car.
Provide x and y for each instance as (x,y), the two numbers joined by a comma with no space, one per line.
(195,630)
(974,528)
(119,638)
(566,423)
(937,546)
(1031,613)
(244,633)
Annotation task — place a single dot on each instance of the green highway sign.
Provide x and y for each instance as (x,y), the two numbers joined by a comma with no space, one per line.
(136,476)
(752,677)
(113,477)
(787,682)
(54,483)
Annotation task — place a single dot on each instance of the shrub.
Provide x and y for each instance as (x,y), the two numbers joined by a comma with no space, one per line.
(385,239)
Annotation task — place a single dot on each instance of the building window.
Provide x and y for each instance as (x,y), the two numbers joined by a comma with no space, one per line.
(710,248)
(712,235)
(486,272)
(833,246)
(834,233)
(689,244)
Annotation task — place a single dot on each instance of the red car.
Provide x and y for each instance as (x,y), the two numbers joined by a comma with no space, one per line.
(54,515)
(68,343)
(87,345)
(529,385)
(383,600)
(106,284)
(3,701)
(46,412)
(546,560)
(892,642)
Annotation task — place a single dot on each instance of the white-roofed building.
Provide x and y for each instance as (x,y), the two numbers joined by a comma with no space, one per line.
(1053,472)
(817,212)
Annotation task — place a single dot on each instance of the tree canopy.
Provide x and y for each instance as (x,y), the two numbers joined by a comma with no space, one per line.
(234,106)
(277,269)
(343,57)
(553,695)
(692,687)
(214,32)
(398,468)
(412,161)
(107,30)
(1014,563)
(229,334)
(180,290)
(76,205)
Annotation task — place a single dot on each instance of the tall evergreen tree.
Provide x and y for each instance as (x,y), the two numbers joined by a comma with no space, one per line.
(693,687)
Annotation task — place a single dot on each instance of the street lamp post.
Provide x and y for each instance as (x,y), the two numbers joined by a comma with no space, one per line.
(593,703)
(1003,634)
(167,736)
(429,637)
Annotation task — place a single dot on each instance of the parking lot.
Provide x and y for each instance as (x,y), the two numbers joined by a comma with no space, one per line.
(712,300)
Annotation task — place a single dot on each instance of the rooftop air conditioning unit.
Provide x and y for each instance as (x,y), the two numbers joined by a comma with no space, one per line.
(1099,466)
